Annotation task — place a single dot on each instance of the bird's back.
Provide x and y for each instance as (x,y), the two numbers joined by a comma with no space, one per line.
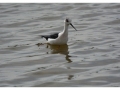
(52,36)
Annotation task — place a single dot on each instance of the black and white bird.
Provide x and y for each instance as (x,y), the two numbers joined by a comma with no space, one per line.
(59,38)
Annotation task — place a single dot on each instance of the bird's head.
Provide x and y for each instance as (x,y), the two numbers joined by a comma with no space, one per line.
(68,22)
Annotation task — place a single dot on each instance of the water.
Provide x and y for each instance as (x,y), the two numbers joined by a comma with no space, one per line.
(91,57)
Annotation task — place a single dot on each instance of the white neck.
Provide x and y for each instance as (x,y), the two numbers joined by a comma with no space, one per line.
(65,30)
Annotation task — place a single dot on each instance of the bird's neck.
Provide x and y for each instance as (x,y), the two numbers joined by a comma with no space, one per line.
(65,30)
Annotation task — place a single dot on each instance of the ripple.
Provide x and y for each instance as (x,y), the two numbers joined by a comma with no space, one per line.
(91,15)
(90,58)
(65,8)
(112,7)
(85,8)
(114,22)
(48,18)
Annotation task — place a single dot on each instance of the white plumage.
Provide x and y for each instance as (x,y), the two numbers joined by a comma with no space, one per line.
(59,38)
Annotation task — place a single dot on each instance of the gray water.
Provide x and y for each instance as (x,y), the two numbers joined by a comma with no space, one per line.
(90,58)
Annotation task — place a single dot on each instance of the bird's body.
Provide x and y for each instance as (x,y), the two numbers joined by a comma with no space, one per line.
(59,38)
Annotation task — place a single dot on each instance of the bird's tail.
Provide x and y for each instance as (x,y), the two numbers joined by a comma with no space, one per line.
(44,36)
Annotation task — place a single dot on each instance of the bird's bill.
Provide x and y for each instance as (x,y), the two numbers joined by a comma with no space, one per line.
(73,26)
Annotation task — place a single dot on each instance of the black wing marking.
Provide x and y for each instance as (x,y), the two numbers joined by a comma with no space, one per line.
(53,36)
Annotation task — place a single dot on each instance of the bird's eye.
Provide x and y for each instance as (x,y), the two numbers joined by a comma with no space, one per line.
(67,20)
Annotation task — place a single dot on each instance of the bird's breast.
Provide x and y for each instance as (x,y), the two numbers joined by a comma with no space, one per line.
(63,36)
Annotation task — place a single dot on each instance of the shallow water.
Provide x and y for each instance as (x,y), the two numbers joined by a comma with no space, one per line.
(91,57)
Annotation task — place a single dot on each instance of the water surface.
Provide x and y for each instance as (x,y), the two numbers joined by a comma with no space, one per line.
(90,58)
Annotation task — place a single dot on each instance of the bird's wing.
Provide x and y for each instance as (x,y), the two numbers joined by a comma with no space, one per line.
(53,36)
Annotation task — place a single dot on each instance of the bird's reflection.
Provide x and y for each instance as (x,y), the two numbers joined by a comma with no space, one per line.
(62,49)
(59,49)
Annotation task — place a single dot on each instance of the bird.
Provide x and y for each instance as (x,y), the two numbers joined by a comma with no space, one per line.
(59,38)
